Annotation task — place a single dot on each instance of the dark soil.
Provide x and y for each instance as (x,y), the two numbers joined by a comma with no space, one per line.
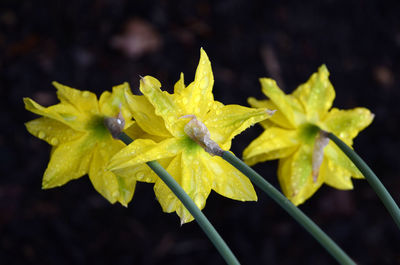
(93,45)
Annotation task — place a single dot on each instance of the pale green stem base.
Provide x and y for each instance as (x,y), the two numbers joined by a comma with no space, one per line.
(289,207)
(370,176)
(198,215)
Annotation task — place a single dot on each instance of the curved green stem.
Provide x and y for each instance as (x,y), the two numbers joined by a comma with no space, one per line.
(198,215)
(290,208)
(372,179)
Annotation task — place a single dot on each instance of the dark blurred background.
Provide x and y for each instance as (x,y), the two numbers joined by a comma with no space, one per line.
(93,45)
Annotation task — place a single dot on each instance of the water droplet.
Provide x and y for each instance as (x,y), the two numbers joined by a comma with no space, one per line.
(86,94)
(146,88)
(204,83)
(199,200)
(54,141)
(185,101)
(140,175)
(144,116)
(41,135)
(229,189)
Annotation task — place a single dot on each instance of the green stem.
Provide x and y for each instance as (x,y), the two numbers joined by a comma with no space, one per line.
(198,215)
(372,179)
(289,207)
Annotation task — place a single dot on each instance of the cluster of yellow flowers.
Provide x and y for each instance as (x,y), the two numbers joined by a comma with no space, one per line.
(81,143)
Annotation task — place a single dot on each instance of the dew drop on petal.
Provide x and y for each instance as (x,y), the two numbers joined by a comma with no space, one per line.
(185,101)
(54,141)
(204,83)
(146,88)
(229,189)
(199,200)
(41,135)
(170,197)
(86,94)
(140,175)
(144,116)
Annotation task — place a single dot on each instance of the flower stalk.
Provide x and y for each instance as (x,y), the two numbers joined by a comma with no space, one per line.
(290,208)
(372,179)
(200,218)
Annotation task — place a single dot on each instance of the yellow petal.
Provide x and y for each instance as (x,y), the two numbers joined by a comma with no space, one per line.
(167,199)
(52,131)
(180,85)
(316,95)
(280,100)
(134,131)
(197,97)
(144,114)
(335,176)
(192,175)
(104,181)
(295,175)
(195,181)
(84,101)
(227,180)
(346,124)
(61,112)
(225,122)
(126,189)
(163,102)
(68,161)
(113,103)
(109,185)
(140,172)
(273,143)
(340,160)
(144,150)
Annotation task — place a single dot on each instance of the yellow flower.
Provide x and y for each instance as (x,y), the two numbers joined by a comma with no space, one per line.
(292,136)
(164,116)
(81,144)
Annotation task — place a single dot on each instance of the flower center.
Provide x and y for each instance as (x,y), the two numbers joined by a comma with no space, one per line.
(308,132)
(97,128)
